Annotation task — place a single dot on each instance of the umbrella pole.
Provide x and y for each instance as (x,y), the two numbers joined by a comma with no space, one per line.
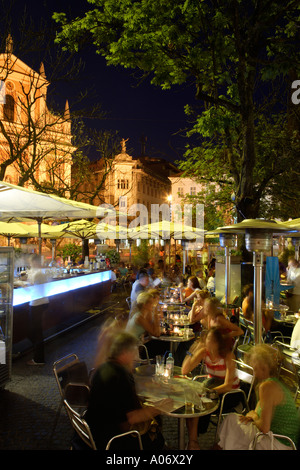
(39,221)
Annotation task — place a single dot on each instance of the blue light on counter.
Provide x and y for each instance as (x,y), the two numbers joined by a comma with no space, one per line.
(26,294)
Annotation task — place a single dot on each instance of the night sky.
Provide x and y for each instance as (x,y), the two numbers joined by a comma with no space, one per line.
(134,111)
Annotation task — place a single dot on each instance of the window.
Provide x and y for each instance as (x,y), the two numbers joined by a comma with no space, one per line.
(9,108)
(180,191)
(123,184)
(192,191)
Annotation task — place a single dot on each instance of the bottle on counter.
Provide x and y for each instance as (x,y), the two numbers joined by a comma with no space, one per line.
(170,365)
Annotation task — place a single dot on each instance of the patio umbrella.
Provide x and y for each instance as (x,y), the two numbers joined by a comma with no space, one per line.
(14,230)
(166,230)
(17,202)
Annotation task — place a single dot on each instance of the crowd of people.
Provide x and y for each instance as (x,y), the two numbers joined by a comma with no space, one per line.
(114,404)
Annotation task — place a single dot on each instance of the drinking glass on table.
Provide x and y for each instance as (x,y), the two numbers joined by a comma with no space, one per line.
(159,365)
(189,400)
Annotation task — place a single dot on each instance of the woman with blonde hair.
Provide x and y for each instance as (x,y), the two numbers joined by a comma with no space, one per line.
(275,411)
(143,321)
(214,317)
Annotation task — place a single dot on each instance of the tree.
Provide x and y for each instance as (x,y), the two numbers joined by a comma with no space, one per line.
(234,52)
(41,136)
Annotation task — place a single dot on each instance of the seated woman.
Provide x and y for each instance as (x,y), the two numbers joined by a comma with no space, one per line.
(114,406)
(196,314)
(216,352)
(142,320)
(214,317)
(247,303)
(188,294)
(275,411)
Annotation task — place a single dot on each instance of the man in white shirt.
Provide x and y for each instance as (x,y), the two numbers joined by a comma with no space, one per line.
(293,276)
(37,309)
(141,284)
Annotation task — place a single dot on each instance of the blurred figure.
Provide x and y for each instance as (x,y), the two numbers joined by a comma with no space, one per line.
(218,358)
(37,310)
(293,276)
(114,406)
(214,318)
(142,320)
(139,285)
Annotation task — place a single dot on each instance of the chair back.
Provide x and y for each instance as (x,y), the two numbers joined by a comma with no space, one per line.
(128,433)
(80,426)
(288,367)
(288,440)
(245,374)
(72,378)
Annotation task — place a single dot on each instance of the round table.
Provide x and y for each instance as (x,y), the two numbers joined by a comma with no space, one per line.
(173,340)
(208,406)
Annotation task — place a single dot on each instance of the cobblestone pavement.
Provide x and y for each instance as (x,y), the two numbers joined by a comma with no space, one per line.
(29,402)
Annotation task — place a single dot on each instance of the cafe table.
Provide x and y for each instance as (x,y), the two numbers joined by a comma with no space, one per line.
(173,340)
(152,389)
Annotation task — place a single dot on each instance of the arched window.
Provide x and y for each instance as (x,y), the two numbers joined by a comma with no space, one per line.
(9,108)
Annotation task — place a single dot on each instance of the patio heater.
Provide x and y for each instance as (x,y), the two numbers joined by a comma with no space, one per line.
(258,239)
(227,241)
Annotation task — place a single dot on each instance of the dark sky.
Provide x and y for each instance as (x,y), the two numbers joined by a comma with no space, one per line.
(134,111)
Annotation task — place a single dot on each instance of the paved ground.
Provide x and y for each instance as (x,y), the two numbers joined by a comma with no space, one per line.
(29,402)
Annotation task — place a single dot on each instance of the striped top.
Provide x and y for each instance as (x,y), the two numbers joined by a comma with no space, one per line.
(217,369)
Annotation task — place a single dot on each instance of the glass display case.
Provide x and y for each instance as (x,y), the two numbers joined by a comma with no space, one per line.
(6,312)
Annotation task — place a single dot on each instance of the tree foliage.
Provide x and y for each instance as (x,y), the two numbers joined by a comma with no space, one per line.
(240,56)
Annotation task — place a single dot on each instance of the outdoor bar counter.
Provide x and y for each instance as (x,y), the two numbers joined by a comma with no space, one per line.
(70,299)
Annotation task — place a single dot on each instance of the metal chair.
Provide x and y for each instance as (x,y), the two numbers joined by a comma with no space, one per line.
(80,426)
(73,383)
(246,376)
(288,367)
(140,360)
(133,433)
(288,440)
(83,430)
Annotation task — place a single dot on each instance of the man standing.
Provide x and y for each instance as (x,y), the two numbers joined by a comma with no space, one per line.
(37,309)
(139,286)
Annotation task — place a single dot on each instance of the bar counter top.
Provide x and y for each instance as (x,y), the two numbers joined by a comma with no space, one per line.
(70,299)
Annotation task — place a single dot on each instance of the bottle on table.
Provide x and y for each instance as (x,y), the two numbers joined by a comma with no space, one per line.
(170,365)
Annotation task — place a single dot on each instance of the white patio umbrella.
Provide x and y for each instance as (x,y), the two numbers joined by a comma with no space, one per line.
(166,230)
(14,230)
(18,203)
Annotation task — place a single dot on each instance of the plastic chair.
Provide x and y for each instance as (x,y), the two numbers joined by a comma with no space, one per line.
(80,426)
(133,433)
(288,440)
(73,383)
